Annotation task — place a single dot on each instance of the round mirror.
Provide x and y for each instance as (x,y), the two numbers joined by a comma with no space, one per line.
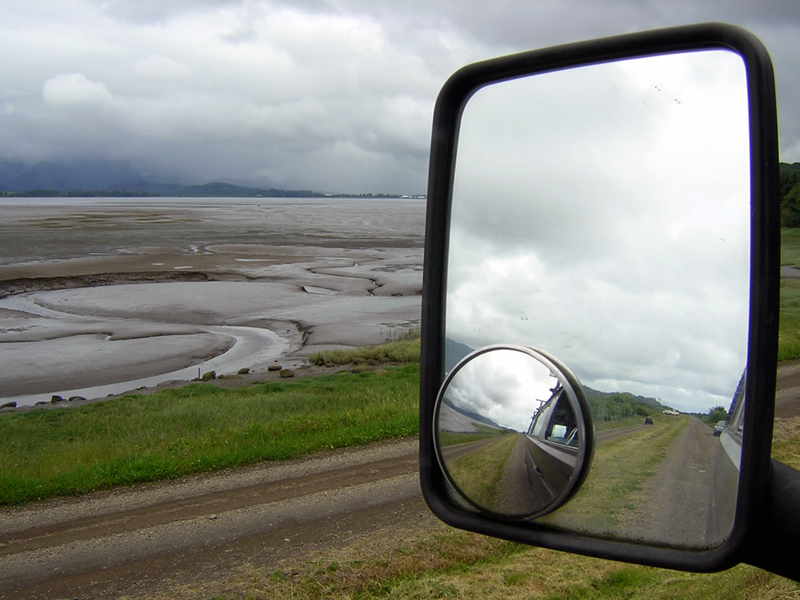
(513,432)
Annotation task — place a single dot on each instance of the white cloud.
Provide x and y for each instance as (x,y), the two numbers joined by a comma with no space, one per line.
(160,68)
(75,89)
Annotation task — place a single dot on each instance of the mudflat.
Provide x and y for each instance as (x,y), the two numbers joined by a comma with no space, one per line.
(99,297)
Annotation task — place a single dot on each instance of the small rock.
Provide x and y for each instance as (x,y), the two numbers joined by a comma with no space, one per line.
(40,403)
(275,367)
(76,398)
(56,398)
(243,371)
(208,376)
(285,373)
(11,404)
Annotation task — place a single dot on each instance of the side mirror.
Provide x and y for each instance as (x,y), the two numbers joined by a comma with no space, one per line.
(612,204)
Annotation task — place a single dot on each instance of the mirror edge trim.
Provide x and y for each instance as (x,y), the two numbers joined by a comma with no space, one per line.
(764,282)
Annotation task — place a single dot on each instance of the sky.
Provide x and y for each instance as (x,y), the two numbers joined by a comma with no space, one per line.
(602,215)
(334,96)
(504,385)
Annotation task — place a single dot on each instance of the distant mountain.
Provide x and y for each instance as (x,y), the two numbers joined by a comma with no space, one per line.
(453,353)
(216,189)
(120,178)
(788,170)
(473,416)
(84,175)
(611,406)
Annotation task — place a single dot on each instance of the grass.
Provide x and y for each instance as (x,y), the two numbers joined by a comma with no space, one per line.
(199,428)
(786,441)
(404,350)
(789,328)
(790,247)
(460,565)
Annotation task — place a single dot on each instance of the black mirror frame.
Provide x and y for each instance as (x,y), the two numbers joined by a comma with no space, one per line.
(755,474)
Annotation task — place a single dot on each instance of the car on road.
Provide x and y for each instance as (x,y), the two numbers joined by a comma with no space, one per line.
(719,428)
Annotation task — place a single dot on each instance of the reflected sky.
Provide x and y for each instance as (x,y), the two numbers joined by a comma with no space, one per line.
(506,386)
(602,215)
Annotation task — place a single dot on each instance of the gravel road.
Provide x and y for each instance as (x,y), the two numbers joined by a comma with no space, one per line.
(135,542)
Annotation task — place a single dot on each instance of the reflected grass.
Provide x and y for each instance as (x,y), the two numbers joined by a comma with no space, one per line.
(620,468)
(478,472)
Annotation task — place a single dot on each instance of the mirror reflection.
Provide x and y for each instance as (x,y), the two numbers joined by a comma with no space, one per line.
(511,431)
(602,215)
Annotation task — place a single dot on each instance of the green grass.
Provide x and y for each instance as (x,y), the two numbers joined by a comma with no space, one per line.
(404,350)
(459,565)
(789,329)
(199,428)
(790,247)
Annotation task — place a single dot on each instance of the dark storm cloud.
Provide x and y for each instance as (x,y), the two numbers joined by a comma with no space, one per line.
(333,95)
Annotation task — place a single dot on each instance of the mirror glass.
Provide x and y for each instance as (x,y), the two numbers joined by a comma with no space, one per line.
(601,214)
(512,433)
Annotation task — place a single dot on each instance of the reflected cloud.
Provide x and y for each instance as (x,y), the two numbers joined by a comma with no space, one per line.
(602,214)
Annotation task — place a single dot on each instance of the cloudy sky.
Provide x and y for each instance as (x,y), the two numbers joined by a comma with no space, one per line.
(331,95)
(602,215)
(504,385)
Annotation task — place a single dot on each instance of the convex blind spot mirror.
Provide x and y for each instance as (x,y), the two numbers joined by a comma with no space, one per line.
(612,204)
(514,434)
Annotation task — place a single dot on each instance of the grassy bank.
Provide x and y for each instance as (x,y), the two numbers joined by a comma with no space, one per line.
(789,332)
(199,428)
(404,350)
(454,564)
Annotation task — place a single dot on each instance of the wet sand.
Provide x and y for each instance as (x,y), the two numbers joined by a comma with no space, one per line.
(132,313)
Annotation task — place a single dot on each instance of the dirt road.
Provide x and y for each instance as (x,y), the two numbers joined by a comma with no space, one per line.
(137,541)
(151,540)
